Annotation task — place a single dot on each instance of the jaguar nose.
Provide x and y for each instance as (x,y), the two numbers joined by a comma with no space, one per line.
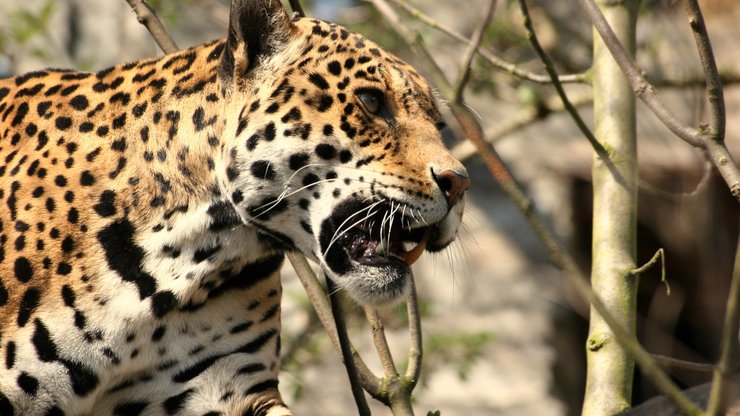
(453,184)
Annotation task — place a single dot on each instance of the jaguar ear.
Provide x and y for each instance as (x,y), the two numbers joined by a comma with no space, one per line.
(257,29)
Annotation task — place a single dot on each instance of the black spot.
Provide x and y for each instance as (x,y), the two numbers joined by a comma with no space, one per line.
(20,114)
(69,90)
(262,386)
(102,131)
(198,119)
(125,257)
(3,290)
(269,133)
(173,404)
(106,205)
(23,270)
(240,327)
(9,355)
(325,101)
(223,216)
(144,134)
(46,350)
(73,215)
(86,178)
(203,254)
(232,173)
(274,107)
(345,156)
(63,123)
(294,114)
(298,160)
(119,121)
(92,155)
(68,295)
(163,302)
(326,151)
(129,408)
(335,67)
(262,169)
(119,145)
(60,181)
(121,97)
(28,383)
(43,107)
(310,179)
(318,80)
(6,407)
(79,102)
(64,269)
(158,332)
(306,227)
(28,304)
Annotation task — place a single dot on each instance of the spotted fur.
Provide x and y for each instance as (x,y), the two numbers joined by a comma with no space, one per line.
(146,209)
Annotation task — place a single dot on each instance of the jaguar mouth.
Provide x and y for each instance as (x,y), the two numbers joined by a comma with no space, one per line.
(369,246)
(369,249)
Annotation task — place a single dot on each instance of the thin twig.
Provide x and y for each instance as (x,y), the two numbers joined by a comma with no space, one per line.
(562,259)
(569,107)
(149,19)
(660,254)
(666,361)
(318,298)
(728,360)
(495,61)
(346,347)
(381,343)
(709,65)
(475,40)
(704,137)
(415,348)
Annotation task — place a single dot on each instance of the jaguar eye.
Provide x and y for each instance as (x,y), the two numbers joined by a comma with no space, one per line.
(372,100)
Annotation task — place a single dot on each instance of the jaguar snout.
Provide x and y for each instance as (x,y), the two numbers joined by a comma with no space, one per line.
(453,184)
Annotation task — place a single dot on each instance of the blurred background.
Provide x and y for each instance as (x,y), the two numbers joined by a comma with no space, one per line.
(503,332)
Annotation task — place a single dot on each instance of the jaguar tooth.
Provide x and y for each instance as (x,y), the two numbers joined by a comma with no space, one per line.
(410,257)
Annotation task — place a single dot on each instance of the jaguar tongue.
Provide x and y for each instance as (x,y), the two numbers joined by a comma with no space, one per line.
(410,257)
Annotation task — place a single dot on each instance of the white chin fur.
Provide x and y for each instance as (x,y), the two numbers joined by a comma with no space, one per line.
(374,287)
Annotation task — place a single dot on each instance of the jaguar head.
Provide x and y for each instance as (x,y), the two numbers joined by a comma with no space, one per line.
(336,149)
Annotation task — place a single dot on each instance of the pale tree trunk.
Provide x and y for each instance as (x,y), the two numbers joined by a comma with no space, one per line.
(610,368)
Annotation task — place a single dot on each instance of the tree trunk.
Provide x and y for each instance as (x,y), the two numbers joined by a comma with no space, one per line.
(610,368)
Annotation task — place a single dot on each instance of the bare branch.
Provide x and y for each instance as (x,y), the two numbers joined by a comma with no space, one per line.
(549,67)
(497,62)
(149,19)
(666,361)
(639,84)
(650,263)
(346,347)
(705,137)
(415,349)
(381,343)
(317,296)
(709,65)
(475,40)
(728,360)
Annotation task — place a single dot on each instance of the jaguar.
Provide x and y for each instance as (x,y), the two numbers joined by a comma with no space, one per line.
(147,209)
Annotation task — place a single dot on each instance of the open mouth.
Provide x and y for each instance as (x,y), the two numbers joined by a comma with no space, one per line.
(371,235)
(371,246)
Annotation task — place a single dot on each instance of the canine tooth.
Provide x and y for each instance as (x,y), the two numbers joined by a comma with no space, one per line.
(410,257)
